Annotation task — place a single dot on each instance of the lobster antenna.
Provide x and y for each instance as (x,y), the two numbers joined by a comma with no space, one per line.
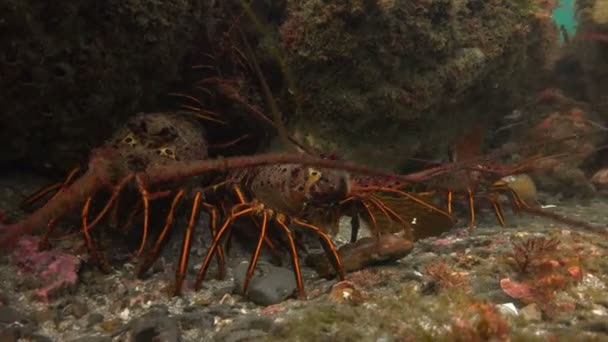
(274,109)
(278,122)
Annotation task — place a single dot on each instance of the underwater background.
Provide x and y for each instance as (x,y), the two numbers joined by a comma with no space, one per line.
(306,170)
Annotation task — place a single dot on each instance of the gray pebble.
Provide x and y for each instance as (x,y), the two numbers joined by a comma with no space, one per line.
(39,338)
(43,315)
(92,338)
(196,320)
(222,310)
(9,335)
(598,326)
(269,284)
(414,275)
(155,326)
(94,318)
(15,323)
(10,315)
(250,328)
(78,309)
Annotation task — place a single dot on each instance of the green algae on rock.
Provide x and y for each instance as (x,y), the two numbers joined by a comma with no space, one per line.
(383,80)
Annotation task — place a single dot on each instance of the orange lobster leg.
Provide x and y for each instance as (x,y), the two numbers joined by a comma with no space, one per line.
(256,255)
(375,228)
(450,199)
(31,199)
(146,201)
(104,265)
(203,270)
(390,211)
(43,243)
(471,210)
(57,186)
(113,198)
(154,253)
(183,260)
(294,258)
(498,211)
(329,247)
(221,264)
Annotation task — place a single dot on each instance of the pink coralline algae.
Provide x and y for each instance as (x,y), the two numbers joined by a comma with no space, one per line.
(57,269)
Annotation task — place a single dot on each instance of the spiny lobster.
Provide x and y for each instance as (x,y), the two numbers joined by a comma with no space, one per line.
(163,154)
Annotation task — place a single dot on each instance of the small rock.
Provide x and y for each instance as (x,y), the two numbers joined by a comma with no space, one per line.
(599,326)
(198,320)
(346,292)
(247,329)
(15,323)
(222,310)
(155,326)
(10,315)
(43,315)
(9,335)
(269,284)
(531,313)
(110,325)
(600,179)
(508,309)
(94,318)
(412,275)
(78,309)
(93,338)
(39,338)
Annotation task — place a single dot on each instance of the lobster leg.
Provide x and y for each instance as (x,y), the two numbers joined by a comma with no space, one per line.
(113,198)
(390,211)
(113,219)
(383,210)
(43,243)
(221,264)
(372,218)
(203,270)
(294,257)
(183,260)
(415,199)
(329,246)
(104,265)
(471,210)
(268,242)
(154,253)
(450,199)
(146,201)
(31,199)
(44,240)
(131,217)
(498,211)
(242,203)
(57,186)
(256,254)
(515,198)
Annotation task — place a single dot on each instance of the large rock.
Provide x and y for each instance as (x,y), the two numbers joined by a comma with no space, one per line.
(591,45)
(71,70)
(380,81)
(374,80)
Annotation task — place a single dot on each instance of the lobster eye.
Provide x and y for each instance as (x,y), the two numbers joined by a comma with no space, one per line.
(130,140)
(314,173)
(167,152)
